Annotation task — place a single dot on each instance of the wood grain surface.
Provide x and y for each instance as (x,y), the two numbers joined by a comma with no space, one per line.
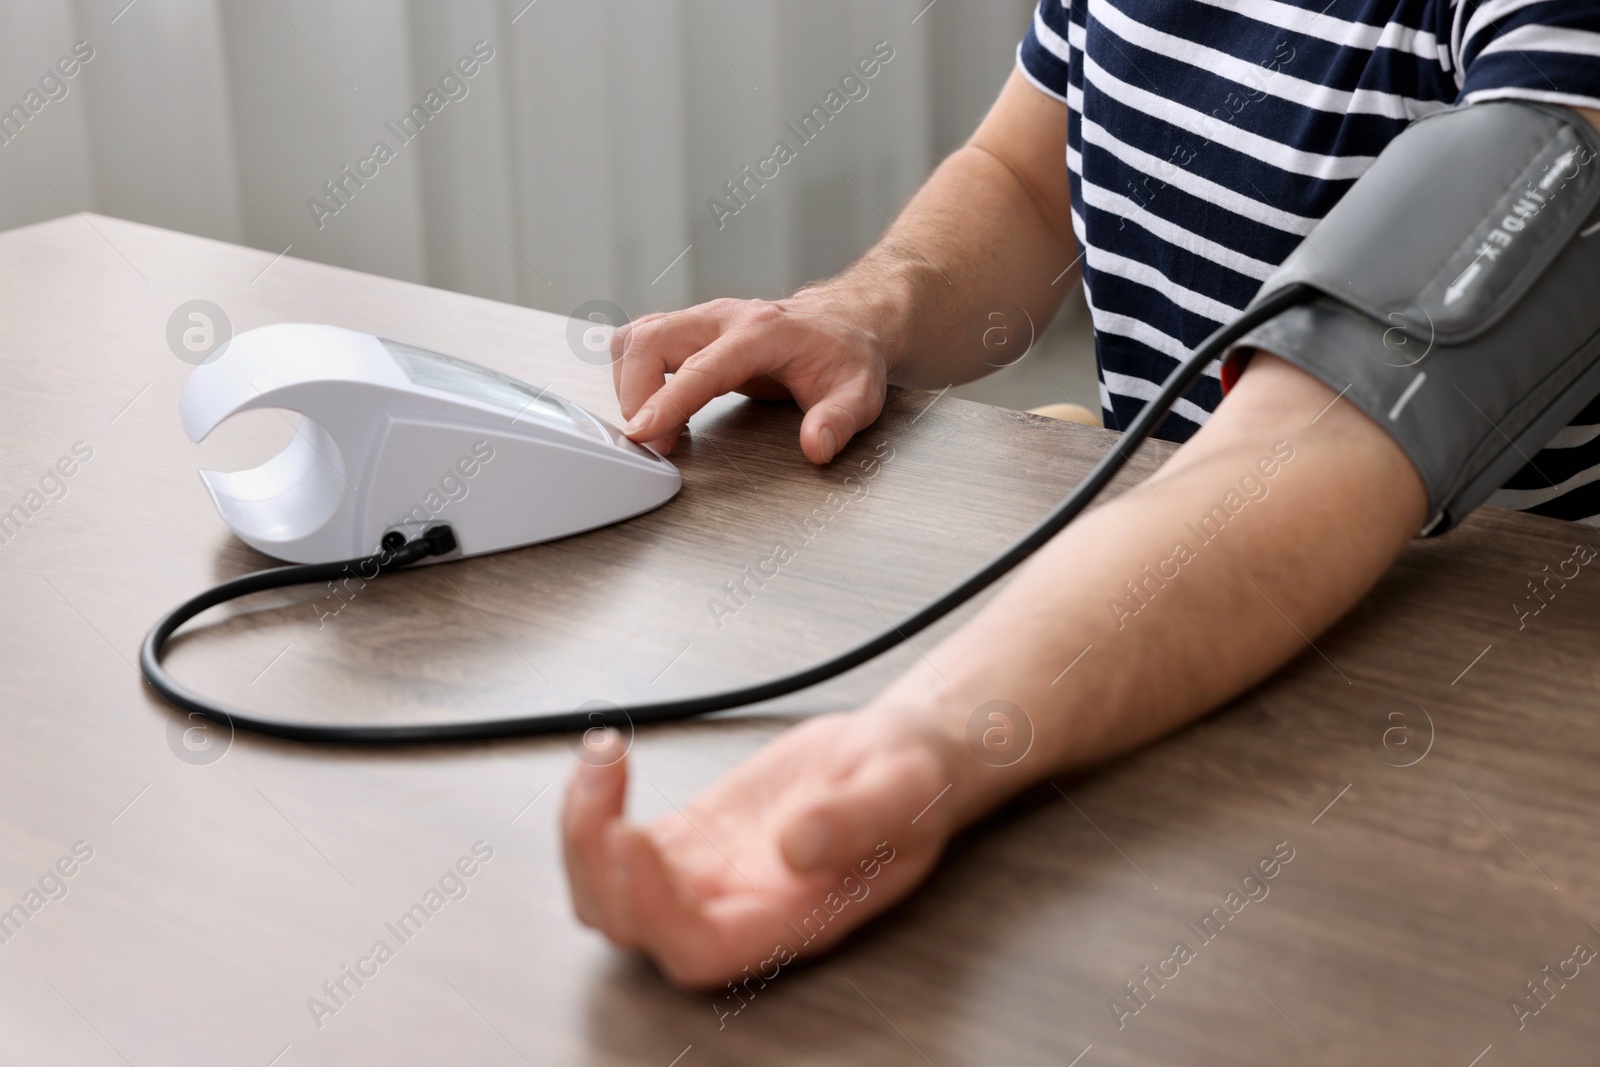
(221,895)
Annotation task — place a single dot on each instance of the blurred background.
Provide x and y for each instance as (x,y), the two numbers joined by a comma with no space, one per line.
(575,163)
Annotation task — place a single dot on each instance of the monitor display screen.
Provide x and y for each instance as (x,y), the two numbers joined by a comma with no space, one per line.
(448,374)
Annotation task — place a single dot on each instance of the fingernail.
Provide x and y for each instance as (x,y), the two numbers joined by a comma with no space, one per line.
(598,748)
(808,845)
(640,421)
(829,443)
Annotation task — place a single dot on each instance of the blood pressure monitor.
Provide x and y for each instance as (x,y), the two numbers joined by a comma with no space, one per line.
(397,438)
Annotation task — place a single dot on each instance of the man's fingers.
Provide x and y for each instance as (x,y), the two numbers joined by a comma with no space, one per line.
(832,421)
(621,340)
(594,801)
(644,352)
(653,912)
(887,801)
(754,347)
(721,367)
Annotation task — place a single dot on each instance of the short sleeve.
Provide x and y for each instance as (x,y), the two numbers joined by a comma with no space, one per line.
(1544,50)
(1043,54)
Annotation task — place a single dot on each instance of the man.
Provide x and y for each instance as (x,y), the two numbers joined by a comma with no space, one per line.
(1174,151)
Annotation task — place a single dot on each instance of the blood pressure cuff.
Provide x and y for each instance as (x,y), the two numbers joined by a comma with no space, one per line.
(1458,295)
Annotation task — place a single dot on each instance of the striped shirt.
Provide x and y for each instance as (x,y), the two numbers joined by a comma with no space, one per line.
(1207,137)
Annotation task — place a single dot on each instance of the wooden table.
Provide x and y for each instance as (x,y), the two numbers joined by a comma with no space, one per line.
(221,895)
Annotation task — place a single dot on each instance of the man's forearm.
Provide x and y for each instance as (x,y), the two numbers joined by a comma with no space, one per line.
(988,227)
(1257,535)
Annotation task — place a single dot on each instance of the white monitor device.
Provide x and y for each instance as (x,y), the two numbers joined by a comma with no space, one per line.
(393,437)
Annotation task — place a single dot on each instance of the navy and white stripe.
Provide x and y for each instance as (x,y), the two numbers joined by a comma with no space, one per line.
(1207,137)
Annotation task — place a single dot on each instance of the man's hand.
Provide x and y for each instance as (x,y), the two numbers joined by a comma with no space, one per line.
(821,348)
(809,838)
